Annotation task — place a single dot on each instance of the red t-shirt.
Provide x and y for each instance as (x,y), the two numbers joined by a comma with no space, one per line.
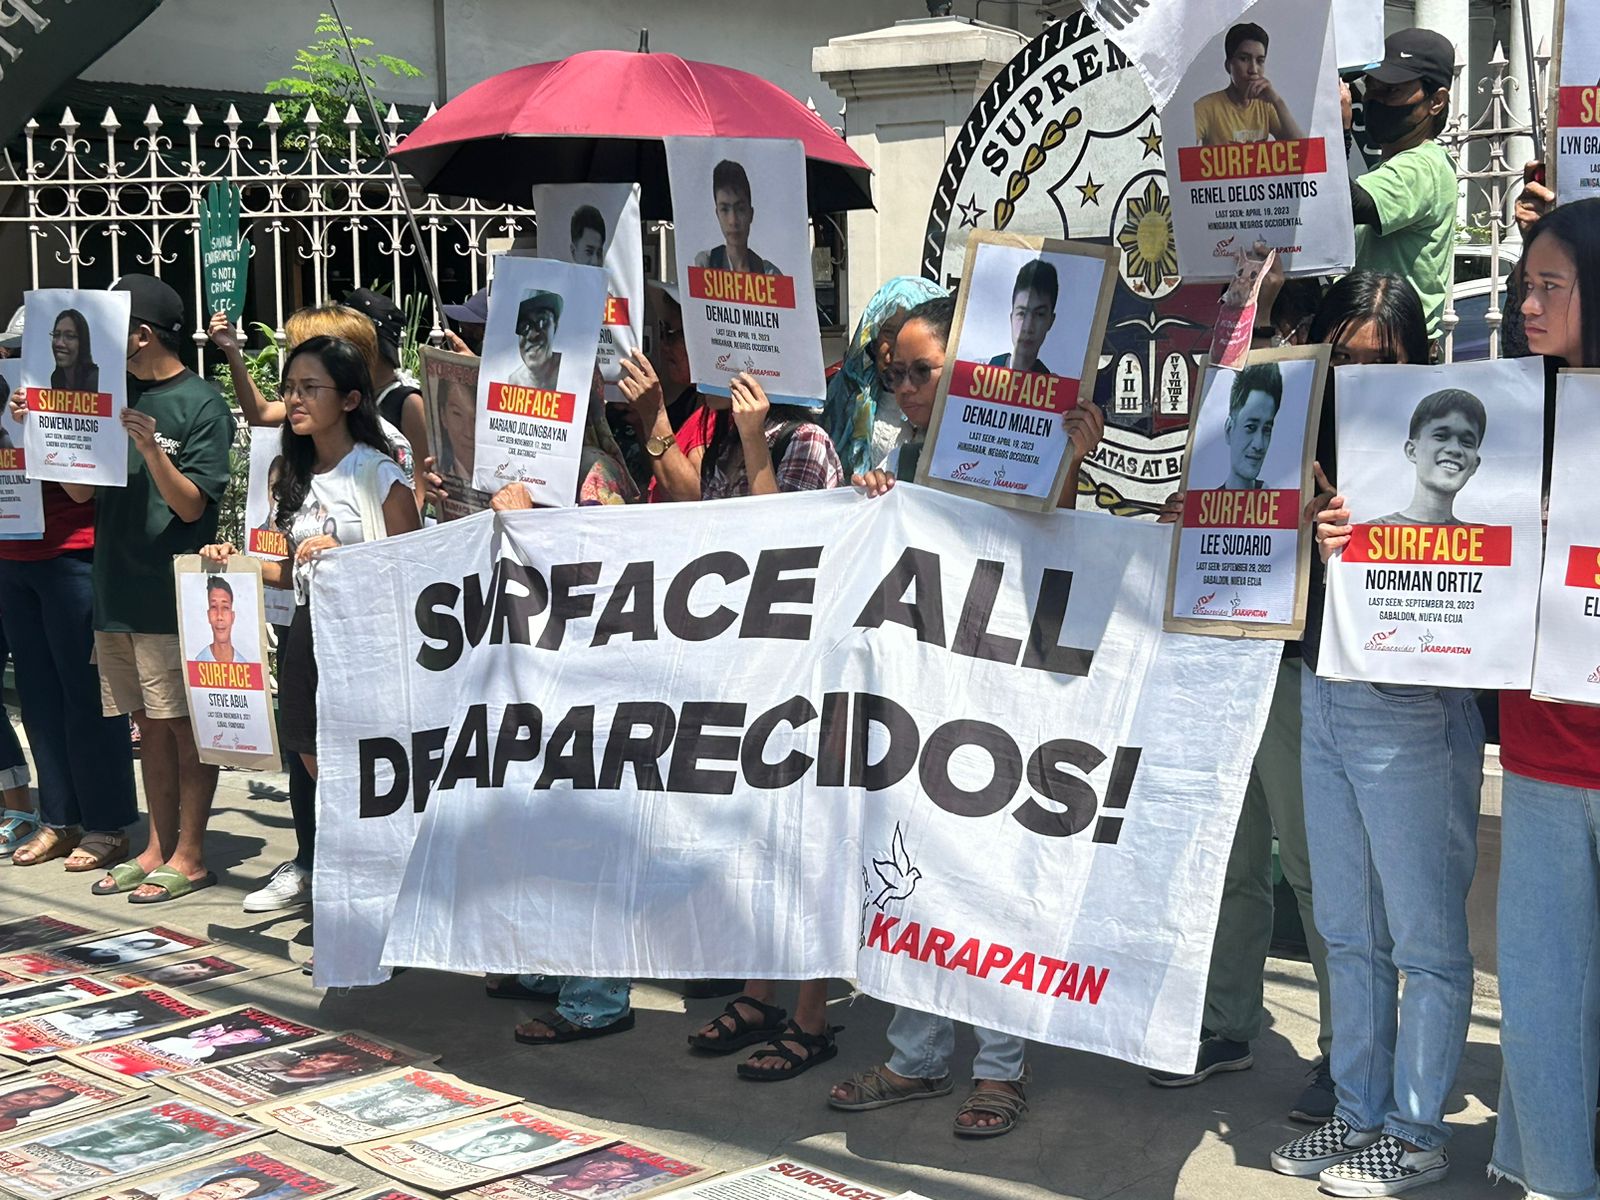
(1556,743)
(68,525)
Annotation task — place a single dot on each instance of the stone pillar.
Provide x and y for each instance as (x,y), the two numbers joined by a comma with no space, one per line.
(907,90)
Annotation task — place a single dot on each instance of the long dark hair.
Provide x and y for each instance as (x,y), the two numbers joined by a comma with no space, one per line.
(85,361)
(1577,227)
(347,368)
(1388,301)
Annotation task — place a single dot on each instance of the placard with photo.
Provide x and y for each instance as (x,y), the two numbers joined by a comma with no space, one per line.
(21,498)
(400,1102)
(295,1071)
(74,375)
(215,1038)
(102,952)
(450,405)
(223,629)
(47,1095)
(479,1149)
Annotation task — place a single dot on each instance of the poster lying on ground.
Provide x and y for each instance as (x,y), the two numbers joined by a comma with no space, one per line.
(1241,555)
(450,405)
(74,374)
(21,500)
(945,757)
(28,932)
(244,1175)
(744,265)
(597,225)
(215,1038)
(205,972)
(535,377)
(384,1107)
(68,1159)
(47,1095)
(295,1071)
(782,1179)
(621,1171)
(1029,323)
(58,992)
(1575,157)
(90,1022)
(1566,659)
(478,1149)
(1254,146)
(223,628)
(103,951)
(1442,468)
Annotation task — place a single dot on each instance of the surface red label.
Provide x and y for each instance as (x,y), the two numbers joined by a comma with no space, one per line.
(1430,545)
(242,676)
(1019,389)
(536,404)
(1252,160)
(617,311)
(1578,106)
(741,287)
(1583,567)
(69,403)
(13,458)
(1227,508)
(272,542)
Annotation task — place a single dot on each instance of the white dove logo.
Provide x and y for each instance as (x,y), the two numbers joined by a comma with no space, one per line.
(898,875)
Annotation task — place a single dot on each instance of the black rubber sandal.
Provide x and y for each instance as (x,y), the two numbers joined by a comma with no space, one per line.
(563,1030)
(735,1031)
(818,1047)
(511,988)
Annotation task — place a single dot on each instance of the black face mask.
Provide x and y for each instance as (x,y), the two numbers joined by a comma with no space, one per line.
(1391,123)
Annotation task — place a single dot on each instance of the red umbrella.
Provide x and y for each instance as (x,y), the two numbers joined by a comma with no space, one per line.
(599,117)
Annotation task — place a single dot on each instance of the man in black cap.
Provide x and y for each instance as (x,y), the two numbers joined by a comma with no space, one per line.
(179,434)
(399,402)
(538,317)
(469,319)
(1405,207)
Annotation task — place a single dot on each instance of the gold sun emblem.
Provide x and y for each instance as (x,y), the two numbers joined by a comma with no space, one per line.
(1151,254)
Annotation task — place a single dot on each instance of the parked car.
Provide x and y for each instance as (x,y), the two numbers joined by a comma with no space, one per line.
(1472,295)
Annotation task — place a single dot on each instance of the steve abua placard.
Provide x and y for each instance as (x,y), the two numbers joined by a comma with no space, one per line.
(1441,468)
(1241,554)
(744,264)
(1566,659)
(1254,146)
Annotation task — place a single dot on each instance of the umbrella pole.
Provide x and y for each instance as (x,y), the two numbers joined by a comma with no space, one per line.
(440,320)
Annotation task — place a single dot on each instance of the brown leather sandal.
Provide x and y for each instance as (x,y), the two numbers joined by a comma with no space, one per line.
(97,851)
(874,1089)
(45,844)
(1008,1105)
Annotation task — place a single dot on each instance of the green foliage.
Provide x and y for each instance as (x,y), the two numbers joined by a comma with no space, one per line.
(324,76)
(264,367)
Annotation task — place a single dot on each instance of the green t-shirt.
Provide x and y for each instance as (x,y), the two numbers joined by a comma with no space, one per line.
(136,534)
(1415,195)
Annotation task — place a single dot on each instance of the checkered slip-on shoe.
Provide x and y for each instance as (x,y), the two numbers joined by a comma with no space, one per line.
(1325,1146)
(1385,1168)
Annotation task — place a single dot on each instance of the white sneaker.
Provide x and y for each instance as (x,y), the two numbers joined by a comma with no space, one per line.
(287,887)
(1385,1168)
(1324,1147)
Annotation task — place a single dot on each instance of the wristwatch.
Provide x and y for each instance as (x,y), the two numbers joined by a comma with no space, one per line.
(658,445)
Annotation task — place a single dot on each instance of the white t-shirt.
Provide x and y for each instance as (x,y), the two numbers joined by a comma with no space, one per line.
(333,507)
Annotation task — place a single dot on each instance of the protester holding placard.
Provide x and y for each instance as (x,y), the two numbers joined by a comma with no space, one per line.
(1549,873)
(663,439)
(1405,207)
(1392,776)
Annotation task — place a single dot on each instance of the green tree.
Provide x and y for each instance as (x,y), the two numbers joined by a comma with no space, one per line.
(324,76)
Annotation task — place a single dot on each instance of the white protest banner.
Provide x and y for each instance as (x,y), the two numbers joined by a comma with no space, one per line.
(223,630)
(263,538)
(450,406)
(1575,158)
(1241,556)
(21,499)
(744,311)
(534,379)
(1254,146)
(597,225)
(935,774)
(1442,468)
(1357,33)
(1566,658)
(1162,37)
(998,429)
(75,379)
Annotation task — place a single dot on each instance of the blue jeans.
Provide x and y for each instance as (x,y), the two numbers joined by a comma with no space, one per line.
(592,1003)
(84,759)
(1549,934)
(1392,777)
(923,1043)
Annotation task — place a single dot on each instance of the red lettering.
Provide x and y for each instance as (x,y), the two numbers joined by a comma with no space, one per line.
(878,936)
(1051,965)
(998,956)
(1069,983)
(939,940)
(908,940)
(1022,971)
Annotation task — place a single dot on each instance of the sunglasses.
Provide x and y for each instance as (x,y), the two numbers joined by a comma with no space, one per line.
(918,373)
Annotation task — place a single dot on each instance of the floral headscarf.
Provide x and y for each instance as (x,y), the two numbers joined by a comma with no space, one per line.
(853,393)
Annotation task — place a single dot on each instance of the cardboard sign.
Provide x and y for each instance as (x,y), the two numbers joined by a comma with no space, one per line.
(21,499)
(223,630)
(627,1170)
(1254,146)
(1241,555)
(1574,160)
(215,1038)
(783,1179)
(23,999)
(74,374)
(223,253)
(1566,657)
(102,952)
(1023,351)
(205,972)
(26,932)
(392,1104)
(744,265)
(91,1022)
(597,225)
(450,406)
(274,1177)
(295,1071)
(535,377)
(50,1094)
(1442,468)
(478,1149)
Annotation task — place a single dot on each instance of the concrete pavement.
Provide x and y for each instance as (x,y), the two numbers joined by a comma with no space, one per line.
(1096,1128)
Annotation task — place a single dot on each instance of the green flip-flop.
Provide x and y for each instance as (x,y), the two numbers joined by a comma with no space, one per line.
(123,877)
(174,885)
